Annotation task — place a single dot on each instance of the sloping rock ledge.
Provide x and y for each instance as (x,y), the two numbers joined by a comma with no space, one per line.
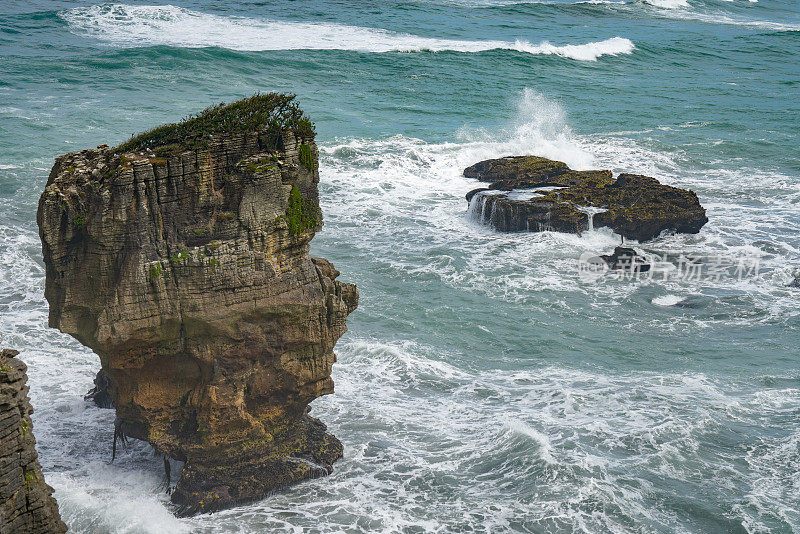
(530,193)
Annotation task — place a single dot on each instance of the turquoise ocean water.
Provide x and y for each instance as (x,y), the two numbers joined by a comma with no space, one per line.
(483,386)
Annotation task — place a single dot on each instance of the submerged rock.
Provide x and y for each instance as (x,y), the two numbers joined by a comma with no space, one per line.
(26,502)
(626,259)
(529,193)
(184,264)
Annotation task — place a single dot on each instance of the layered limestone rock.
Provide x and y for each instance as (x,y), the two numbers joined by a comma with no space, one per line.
(182,259)
(529,193)
(26,502)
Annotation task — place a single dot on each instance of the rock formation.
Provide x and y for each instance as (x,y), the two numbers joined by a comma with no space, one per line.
(796,282)
(626,259)
(529,193)
(182,259)
(26,502)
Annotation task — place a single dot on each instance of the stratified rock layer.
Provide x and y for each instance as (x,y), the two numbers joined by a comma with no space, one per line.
(26,502)
(560,199)
(187,270)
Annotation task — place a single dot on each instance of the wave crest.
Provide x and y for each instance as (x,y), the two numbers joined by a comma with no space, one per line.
(175,26)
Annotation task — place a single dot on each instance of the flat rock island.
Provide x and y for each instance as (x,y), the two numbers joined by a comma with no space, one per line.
(181,258)
(534,194)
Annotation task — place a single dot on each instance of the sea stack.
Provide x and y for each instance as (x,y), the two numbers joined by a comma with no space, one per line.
(534,194)
(26,502)
(181,258)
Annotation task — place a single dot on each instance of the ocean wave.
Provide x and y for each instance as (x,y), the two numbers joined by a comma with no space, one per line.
(673,9)
(721,18)
(548,446)
(509,3)
(683,10)
(667,4)
(130,25)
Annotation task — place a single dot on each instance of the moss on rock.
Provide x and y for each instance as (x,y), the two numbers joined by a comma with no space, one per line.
(301,213)
(307,157)
(273,112)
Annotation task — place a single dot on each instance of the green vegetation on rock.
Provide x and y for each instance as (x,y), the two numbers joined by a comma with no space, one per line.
(179,257)
(30,478)
(155,272)
(273,112)
(307,157)
(301,214)
(257,167)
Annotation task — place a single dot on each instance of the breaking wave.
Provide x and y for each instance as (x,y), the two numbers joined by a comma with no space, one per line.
(383,183)
(671,9)
(130,25)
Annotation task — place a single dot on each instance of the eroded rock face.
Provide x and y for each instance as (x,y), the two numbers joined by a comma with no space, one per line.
(187,270)
(529,193)
(26,502)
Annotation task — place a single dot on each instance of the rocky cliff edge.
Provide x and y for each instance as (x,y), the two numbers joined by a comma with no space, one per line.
(26,502)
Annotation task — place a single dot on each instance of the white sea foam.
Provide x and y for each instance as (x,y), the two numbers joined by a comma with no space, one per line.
(668,4)
(540,126)
(721,18)
(677,9)
(579,438)
(106,498)
(682,10)
(131,25)
(502,3)
(668,300)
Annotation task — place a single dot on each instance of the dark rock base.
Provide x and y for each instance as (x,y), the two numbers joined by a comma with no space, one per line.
(210,487)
